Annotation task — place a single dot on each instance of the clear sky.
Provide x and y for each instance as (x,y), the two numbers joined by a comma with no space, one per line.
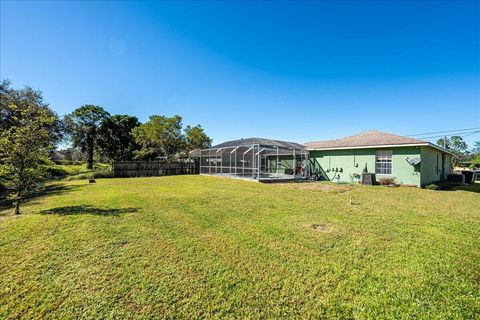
(297,71)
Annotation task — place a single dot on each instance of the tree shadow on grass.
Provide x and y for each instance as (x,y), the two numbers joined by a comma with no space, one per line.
(33,196)
(85,209)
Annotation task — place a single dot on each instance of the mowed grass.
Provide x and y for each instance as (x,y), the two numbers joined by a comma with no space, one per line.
(207,247)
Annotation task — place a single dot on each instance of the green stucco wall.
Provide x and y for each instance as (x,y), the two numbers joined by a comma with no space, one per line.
(432,168)
(350,162)
(346,163)
(448,165)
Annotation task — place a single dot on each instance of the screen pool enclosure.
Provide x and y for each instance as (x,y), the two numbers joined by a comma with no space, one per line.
(256,158)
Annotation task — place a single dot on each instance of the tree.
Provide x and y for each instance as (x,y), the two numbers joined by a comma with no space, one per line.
(196,138)
(455,143)
(82,125)
(476,147)
(7,94)
(160,136)
(115,139)
(28,138)
(23,99)
(457,146)
(475,161)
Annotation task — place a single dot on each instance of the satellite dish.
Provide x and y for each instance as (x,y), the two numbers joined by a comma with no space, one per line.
(414,161)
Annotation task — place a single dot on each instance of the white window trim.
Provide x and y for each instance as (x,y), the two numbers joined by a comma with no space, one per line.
(391,162)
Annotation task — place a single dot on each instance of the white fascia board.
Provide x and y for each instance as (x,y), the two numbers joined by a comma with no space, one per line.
(439,148)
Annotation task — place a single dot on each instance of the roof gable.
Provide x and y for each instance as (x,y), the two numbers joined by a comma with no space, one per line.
(368,138)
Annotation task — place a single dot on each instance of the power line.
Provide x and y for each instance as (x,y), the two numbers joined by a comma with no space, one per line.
(458,135)
(470,134)
(463,134)
(447,131)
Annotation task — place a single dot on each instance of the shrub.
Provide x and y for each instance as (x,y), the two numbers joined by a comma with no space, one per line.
(103,174)
(432,186)
(101,167)
(46,162)
(55,172)
(81,176)
(90,175)
(387,181)
(440,185)
(69,162)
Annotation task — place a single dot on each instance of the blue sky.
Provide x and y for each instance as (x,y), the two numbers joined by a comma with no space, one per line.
(297,71)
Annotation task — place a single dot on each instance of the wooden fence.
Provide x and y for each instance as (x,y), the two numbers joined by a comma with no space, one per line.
(153,168)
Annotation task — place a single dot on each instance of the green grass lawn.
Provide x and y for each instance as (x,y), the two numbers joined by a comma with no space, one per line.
(206,247)
(72,169)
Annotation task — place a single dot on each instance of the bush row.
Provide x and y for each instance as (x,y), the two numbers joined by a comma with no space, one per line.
(90,175)
(69,162)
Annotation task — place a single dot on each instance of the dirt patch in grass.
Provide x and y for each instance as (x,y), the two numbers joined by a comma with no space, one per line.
(320,227)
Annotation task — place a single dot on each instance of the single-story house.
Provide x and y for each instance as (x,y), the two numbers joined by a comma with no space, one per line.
(409,161)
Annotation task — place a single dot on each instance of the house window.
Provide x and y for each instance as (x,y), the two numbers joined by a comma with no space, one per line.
(384,162)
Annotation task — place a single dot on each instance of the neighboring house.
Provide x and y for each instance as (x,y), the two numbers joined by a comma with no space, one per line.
(409,161)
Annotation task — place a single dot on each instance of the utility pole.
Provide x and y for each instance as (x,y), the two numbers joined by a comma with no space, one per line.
(445,142)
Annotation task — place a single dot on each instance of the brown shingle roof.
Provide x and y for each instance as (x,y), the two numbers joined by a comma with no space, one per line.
(364,139)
